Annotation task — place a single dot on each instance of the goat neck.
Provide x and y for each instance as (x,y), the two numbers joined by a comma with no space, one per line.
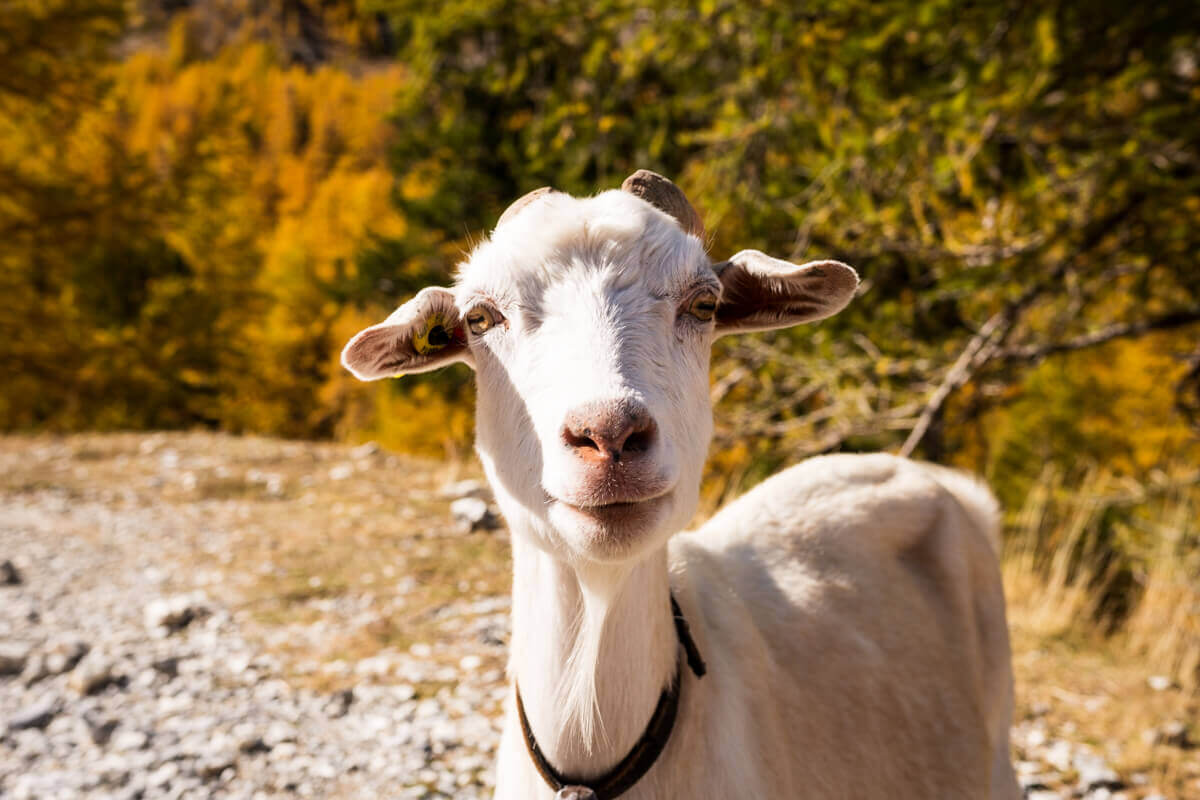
(592,650)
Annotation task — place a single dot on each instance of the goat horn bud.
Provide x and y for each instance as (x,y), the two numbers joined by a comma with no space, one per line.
(665,196)
(519,204)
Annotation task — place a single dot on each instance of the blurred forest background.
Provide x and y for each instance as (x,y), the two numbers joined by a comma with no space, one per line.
(200,202)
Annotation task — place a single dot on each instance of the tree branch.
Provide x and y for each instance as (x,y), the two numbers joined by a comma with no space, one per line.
(985,345)
(1175,319)
(978,352)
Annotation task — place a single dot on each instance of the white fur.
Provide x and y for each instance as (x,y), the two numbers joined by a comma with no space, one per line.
(850,608)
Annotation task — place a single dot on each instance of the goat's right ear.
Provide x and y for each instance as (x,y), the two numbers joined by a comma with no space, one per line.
(423,334)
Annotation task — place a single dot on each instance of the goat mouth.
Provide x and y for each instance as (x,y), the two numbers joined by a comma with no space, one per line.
(618,514)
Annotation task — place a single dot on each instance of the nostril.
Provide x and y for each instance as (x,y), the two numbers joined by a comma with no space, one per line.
(640,440)
(581,440)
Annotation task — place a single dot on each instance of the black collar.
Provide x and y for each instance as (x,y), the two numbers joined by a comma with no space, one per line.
(643,755)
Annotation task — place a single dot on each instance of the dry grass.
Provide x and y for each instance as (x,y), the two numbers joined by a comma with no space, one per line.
(1103,584)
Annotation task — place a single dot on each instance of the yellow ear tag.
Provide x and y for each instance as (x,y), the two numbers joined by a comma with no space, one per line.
(437,327)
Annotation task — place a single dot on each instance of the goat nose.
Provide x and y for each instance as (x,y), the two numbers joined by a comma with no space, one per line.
(605,431)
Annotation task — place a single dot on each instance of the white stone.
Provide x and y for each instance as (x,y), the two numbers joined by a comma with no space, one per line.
(128,740)
(92,673)
(365,450)
(1058,755)
(471,513)
(1159,683)
(13,656)
(175,613)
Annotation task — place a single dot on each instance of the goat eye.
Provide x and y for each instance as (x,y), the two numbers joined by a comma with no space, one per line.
(703,307)
(481,319)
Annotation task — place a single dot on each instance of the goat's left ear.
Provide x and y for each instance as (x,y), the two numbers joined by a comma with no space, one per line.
(423,334)
(760,293)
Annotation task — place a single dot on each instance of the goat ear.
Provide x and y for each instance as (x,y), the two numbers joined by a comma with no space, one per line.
(423,334)
(759,293)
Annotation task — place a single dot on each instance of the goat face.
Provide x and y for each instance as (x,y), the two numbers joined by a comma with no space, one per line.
(589,323)
(592,369)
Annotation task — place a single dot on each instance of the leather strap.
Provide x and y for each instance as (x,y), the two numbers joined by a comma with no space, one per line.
(645,752)
(685,637)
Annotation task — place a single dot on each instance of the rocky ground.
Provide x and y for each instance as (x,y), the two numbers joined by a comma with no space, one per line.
(192,616)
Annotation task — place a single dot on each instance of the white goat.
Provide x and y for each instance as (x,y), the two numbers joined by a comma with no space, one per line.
(849,609)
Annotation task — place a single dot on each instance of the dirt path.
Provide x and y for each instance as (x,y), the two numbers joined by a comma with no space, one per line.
(195,616)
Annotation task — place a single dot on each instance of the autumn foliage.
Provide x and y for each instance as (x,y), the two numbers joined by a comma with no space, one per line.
(200,202)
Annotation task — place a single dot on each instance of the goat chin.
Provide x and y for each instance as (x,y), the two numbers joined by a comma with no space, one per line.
(613,533)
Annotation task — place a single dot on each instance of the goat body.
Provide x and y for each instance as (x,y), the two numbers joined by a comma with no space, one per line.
(850,609)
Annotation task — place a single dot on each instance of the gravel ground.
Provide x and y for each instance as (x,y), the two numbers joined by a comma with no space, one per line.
(127,674)
(132,668)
